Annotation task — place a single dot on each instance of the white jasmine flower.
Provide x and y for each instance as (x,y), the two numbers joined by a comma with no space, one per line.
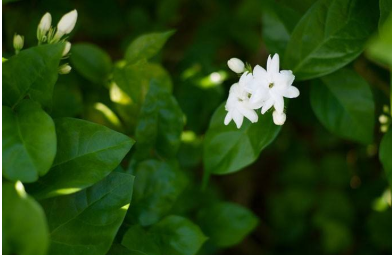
(236,65)
(44,26)
(238,105)
(279,118)
(67,48)
(65,69)
(271,86)
(66,24)
(18,42)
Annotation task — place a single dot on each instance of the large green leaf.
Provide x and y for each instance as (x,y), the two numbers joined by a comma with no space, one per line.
(86,153)
(86,222)
(25,231)
(176,235)
(380,45)
(343,103)
(385,155)
(228,149)
(32,72)
(91,62)
(160,124)
(29,142)
(146,46)
(226,224)
(157,188)
(329,36)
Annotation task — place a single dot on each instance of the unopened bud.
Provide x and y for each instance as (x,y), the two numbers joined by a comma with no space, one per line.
(67,48)
(236,65)
(18,42)
(44,24)
(279,118)
(65,69)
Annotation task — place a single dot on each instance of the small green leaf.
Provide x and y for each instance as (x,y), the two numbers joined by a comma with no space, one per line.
(140,242)
(157,188)
(160,124)
(329,36)
(91,62)
(343,103)
(228,149)
(32,72)
(25,231)
(226,224)
(386,155)
(86,153)
(146,46)
(178,236)
(29,142)
(86,222)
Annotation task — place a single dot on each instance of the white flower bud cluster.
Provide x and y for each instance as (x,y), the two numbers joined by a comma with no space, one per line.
(46,33)
(261,89)
(385,119)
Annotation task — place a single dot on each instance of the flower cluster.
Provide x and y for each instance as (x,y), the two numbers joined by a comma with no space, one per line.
(260,89)
(46,33)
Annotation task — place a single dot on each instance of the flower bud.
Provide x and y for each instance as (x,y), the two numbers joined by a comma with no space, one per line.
(18,42)
(383,119)
(236,65)
(279,118)
(44,24)
(67,23)
(66,48)
(65,69)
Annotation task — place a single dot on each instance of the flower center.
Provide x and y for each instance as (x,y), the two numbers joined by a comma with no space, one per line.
(271,85)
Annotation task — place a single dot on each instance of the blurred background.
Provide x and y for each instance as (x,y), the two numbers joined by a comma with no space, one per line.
(313,192)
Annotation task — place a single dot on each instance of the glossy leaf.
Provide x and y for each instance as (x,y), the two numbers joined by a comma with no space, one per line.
(157,187)
(25,231)
(226,224)
(86,222)
(343,103)
(29,142)
(228,149)
(386,155)
(91,62)
(160,124)
(146,46)
(32,72)
(86,153)
(329,36)
(178,236)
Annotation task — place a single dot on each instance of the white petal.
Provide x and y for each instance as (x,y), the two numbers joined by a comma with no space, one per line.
(259,73)
(291,92)
(236,65)
(273,64)
(267,105)
(249,114)
(238,118)
(245,79)
(279,118)
(279,103)
(228,118)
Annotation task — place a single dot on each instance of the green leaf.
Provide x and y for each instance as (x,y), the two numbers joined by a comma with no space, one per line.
(385,155)
(32,72)
(160,124)
(25,231)
(29,142)
(278,23)
(118,249)
(86,222)
(228,149)
(178,236)
(146,46)
(329,36)
(91,62)
(343,103)
(385,11)
(86,153)
(226,224)
(380,45)
(157,188)
(140,242)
